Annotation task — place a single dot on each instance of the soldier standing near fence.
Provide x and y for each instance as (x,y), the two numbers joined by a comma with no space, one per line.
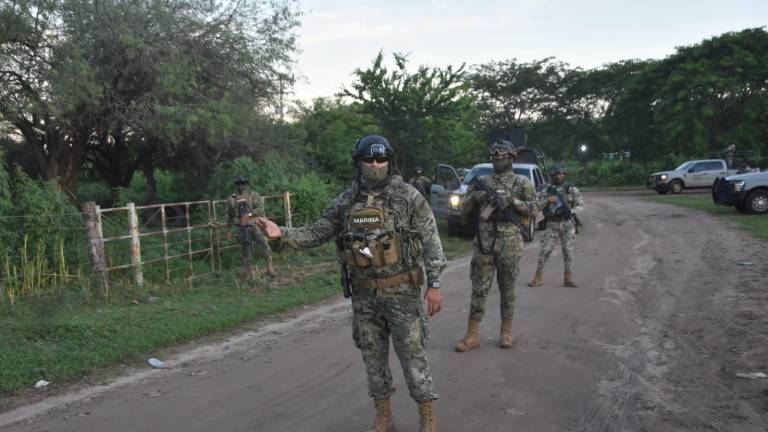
(498,244)
(243,207)
(382,225)
(422,184)
(561,205)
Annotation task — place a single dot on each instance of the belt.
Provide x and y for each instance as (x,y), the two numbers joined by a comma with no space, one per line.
(414,276)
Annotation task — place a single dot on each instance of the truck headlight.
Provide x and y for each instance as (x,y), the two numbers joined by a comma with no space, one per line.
(663,177)
(738,186)
(454,201)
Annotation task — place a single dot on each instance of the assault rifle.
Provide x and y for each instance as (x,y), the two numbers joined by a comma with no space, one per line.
(245,220)
(507,214)
(559,210)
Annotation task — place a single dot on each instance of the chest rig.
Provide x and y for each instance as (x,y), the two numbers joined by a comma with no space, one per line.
(371,237)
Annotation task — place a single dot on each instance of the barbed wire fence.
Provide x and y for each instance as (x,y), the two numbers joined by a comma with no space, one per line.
(150,243)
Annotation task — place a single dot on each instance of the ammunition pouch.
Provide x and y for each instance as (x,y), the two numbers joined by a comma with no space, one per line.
(414,277)
(385,250)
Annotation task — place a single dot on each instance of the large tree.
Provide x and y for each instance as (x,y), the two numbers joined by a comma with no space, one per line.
(426,114)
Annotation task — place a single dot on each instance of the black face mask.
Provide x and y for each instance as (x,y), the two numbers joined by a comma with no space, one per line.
(500,166)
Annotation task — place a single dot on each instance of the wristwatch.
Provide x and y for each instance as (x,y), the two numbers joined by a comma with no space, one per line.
(434,284)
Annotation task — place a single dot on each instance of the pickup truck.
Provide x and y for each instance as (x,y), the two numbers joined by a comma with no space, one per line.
(692,174)
(447,191)
(747,192)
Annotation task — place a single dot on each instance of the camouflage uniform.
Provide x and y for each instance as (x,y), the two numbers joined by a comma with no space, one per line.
(254,205)
(563,231)
(381,312)
(423,185)
(498,246)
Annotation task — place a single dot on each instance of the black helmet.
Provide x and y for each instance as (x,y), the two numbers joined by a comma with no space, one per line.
(503,147)
(419,170)
(241,179)
(557,169)
(372,145)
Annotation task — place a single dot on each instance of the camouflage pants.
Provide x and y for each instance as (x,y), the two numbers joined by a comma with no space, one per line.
(565,233)
(396,312)
(503,259)
(256,238)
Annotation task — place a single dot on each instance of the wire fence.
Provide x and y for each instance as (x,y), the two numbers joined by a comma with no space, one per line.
(151,243)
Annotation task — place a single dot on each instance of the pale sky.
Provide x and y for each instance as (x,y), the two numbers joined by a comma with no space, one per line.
(338,36)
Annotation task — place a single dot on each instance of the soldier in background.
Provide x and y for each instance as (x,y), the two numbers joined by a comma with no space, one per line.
(382,226)
(561,205)
(243,207)
(498,244)
(422,184)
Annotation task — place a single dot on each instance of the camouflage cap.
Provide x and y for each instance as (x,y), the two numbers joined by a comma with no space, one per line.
(557,169)
(503,147)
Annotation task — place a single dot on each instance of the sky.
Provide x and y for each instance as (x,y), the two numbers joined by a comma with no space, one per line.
(338,36)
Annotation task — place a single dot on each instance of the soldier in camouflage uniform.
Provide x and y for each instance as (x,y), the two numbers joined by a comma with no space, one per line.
(382,225)
(561,205)
(498,244)
(422,184)
(241,206)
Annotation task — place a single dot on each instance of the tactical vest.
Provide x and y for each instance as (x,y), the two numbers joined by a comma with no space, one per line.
(371,237)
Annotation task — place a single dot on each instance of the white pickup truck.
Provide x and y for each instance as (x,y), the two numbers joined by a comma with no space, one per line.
(692,174)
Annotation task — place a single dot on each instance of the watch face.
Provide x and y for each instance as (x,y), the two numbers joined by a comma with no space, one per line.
(434,285)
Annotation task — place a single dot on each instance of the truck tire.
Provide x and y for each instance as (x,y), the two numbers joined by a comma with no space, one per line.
(676,186)
(757,202)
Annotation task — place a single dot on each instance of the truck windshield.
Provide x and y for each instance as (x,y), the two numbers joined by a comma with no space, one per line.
(481,171)
(684,166)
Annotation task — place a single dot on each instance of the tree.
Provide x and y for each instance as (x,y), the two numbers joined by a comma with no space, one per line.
(426,115)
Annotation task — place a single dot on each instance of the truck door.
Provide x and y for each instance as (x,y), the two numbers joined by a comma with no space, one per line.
(444,181)
(695,177)
(705,173)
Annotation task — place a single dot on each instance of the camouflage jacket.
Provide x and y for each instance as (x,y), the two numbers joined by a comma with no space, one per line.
(423,185)
(568,191)
(253,202)
(514,190)
(402,204)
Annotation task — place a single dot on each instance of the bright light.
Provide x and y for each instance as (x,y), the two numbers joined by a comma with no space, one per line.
(454,201)
(583,148)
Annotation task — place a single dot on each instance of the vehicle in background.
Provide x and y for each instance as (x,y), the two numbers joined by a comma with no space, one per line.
(691,174)
(447,192)
(747,192)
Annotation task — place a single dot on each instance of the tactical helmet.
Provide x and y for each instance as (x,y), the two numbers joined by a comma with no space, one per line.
(372,145)
(503,147)
(557,169)
(419,170)
(241,179)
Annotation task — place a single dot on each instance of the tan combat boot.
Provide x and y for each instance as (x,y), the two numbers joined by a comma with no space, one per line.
(568,280)
(427,421)
(472,339)
(537,278)
(384,421)
(506,334)
(270,268)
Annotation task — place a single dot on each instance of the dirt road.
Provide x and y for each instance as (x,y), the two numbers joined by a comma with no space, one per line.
(652,340)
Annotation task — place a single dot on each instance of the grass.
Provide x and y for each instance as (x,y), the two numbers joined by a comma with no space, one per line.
(65,336)
(756,225)
(453,246)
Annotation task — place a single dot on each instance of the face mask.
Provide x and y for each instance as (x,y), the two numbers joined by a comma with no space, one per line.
(374,175)
(241,188)
(500,166)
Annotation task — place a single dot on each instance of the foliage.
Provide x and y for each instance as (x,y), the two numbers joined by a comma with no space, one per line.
(426,115)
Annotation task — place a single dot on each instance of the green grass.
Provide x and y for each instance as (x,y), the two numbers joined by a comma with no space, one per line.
(66,336)
(453,246)
(756,225)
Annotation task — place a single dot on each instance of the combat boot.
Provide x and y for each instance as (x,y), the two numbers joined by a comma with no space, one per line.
(505,340)
(568,280)
(472,339)
(427,421)
(537,278)
(270,268)
(384,421)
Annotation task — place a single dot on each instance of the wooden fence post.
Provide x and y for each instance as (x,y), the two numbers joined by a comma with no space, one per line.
(287,204)
(96,244)
(133,227)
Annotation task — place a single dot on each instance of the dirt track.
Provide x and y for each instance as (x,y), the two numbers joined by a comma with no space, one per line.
(651,341)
